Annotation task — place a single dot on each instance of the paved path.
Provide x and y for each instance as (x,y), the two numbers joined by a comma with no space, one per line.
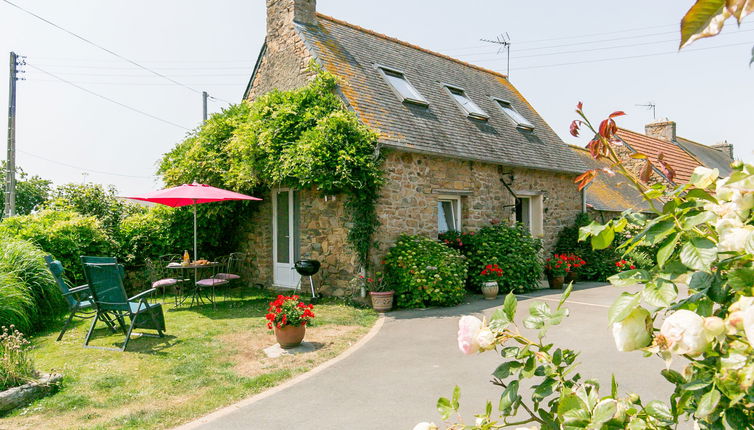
(394,380)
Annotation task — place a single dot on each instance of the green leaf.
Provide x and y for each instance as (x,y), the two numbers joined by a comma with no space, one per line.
(707,404)
(622,307)
(604,411)
(629,278)
(659,231)
(700,281)
(539,312)
(660,294)
(565,295)
(499,321)
(658,410)
(509,306)
(455,398)
(699,254)
(613,387)
(741,279)
(544,389)
(593,229)
(701,195)
(603,239)
(567,402)
(704,19)
(697,219)
(666,250)
(506,369)
(508,398)
(672,376)
(696,385)
(443,406)
(735,419)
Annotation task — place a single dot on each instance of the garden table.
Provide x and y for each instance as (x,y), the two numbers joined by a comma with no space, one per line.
(186,273)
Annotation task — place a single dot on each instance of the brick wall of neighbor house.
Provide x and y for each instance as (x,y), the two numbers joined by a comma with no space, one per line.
(408,202)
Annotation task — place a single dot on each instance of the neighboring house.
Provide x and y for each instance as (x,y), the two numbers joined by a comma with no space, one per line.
(462,147)
(682,154)
(607,196)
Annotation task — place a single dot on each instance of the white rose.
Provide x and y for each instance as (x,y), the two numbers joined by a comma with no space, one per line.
(714,326)
(684,332)
(425,426)
(748,322)
(734,239)
(468,329)
(485,338)
(704,177)
(633,332)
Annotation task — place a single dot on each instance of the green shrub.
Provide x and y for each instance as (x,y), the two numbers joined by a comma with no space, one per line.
(147,235)
(423,272)
(94,200)
(64,234)
(16,367)
(510,247)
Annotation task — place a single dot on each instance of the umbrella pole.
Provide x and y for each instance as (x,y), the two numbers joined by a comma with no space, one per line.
(195,256)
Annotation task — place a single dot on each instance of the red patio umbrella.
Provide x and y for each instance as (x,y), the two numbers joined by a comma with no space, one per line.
(191,194)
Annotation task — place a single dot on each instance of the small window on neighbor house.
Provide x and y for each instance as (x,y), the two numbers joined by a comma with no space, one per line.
(513,114)
(471,108)
(448,214)
(401,85)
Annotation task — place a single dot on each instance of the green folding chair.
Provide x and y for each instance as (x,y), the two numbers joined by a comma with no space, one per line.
(109,296)
(79,300)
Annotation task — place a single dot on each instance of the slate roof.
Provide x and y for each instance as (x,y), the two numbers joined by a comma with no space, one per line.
(681,161)
(610,193)
(353,53)
(710,157)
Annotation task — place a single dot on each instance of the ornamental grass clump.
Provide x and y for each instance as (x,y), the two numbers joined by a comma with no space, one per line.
(288,311)
(424,272)
(16,367)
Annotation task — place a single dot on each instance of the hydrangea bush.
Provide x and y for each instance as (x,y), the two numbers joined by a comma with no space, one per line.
(424,272)
(696,307)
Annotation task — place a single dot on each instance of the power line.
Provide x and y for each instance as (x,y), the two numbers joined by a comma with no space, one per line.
(631,56)
(84,169)
(108,98)
(129,84)
(111,75)
(104,49)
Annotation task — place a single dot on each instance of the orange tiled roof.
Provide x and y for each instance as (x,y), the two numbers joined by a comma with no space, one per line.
(681,161)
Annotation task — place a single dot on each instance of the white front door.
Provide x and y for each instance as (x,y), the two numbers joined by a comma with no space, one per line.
(283,239)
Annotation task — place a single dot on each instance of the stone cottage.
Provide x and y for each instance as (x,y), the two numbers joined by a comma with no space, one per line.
(462,147)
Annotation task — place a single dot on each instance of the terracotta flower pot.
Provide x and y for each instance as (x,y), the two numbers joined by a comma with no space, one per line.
(571,277)
(490,290)
(556,282)
(382,301)
(289,336)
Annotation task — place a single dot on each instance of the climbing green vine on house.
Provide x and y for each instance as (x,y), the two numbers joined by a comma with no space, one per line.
(303,138)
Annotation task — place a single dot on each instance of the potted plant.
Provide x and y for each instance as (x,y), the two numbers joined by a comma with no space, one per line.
(575,263)
(288,317)
(557,268)
(489,276)
(382,300)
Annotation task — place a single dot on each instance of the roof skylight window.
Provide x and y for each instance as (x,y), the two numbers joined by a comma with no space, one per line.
(471,108)
(402,87)
(513,114)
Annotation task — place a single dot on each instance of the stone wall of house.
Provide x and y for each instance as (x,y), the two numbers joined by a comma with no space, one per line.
(408,201)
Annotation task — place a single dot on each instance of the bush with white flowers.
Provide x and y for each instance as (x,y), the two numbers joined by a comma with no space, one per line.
(696,307)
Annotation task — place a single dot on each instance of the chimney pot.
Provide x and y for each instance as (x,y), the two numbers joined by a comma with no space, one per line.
(726,148)
(285,12)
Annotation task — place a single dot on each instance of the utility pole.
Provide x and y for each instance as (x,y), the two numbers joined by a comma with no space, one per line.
(205,96)
(10,179)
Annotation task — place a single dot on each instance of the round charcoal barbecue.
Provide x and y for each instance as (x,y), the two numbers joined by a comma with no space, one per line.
(307,268)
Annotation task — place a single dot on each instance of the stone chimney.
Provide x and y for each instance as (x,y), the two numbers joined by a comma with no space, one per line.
(726,148)
(662,129)
(282,13)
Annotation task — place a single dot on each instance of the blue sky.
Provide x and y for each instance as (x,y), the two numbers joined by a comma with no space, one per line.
(560,55)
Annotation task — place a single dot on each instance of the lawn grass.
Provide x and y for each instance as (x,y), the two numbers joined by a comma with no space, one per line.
(210,357)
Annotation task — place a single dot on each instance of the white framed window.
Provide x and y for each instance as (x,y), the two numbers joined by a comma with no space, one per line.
(448,213)
(530,213)
(402,87)
(513,114)
(469,107)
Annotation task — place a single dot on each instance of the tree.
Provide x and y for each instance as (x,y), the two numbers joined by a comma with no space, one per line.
(31,191)
(94,200)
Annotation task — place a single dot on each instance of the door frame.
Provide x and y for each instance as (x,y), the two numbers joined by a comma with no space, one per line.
(292,255)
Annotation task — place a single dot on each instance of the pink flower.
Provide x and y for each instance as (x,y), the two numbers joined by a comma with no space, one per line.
(468,329)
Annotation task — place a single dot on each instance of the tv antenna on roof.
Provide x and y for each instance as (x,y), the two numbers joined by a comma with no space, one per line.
(653,107)
(505,43)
